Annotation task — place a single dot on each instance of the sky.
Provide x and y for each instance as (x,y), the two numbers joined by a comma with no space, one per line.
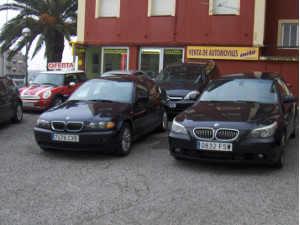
(39,61)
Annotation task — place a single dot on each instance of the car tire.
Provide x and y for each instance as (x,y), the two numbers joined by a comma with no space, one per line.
(178,158)
(46,149)
(279,163)
(58,100)
(124,141)
(18,114)
(294,133)
(164,122)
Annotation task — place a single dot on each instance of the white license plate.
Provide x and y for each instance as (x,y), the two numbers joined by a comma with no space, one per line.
(65,138)
(215,146)
(172,105)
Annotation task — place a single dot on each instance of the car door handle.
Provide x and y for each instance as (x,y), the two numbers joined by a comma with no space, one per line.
(139,113)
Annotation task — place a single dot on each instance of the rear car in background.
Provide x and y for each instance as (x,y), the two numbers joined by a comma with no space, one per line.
(105,114)
(183,83)
(49,89)
(10,102)
(244,117)
(124,73)
(19,80)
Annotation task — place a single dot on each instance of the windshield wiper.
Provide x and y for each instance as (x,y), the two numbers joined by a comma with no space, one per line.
(100,100)
(49,84)
(242,101)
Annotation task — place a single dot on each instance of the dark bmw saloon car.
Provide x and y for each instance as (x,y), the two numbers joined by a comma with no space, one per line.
(104,114)
(242,117)
(183,83)
(11,108)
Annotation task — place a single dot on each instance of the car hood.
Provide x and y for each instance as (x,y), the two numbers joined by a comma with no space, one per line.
(178,89)
(86,111)
(34,89)
(207,112)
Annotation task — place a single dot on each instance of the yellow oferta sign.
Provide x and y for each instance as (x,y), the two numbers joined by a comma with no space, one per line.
(225,53)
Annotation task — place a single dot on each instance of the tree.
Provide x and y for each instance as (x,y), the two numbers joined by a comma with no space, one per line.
(50,22)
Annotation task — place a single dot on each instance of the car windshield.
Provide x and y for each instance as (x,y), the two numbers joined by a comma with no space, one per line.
(241,90)
(180,74)
(51,79)
(104,90)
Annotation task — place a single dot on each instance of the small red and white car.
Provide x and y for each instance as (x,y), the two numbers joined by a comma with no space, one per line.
(51,88)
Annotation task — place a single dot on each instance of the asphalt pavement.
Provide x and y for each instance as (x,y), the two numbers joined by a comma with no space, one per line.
(148,187)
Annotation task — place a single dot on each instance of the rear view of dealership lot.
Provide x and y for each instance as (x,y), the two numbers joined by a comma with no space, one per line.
(147,187)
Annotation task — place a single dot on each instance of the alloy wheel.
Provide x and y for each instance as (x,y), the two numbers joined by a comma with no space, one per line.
(19,113)
(165,121)
(126,140)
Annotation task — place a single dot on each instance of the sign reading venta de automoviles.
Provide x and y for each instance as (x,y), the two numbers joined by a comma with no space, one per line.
(225,53)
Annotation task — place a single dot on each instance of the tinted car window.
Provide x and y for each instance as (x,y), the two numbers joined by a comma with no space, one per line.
(51,79)
(253,90)
(141,91)
(81,77)
(180,73)
(71,78)
(104,90)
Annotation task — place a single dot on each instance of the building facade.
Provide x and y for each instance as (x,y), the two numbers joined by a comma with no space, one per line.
(240,35)
(14,67)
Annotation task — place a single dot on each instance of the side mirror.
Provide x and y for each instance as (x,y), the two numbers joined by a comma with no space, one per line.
(72,84)
(289,99)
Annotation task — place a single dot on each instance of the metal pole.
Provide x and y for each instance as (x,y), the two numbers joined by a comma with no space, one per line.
(26,58)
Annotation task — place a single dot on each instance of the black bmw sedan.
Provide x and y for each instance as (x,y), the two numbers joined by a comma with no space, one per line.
(243,117)
(183,83)
(105,114)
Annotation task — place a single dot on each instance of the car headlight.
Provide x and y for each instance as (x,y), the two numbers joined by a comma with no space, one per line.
(264,132)
(101,125)
(193,95)
(178,128)
(44,124)
(47,94)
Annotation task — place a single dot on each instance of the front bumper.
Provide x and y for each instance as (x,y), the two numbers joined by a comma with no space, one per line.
(250,150)
(104,141)
(39,104)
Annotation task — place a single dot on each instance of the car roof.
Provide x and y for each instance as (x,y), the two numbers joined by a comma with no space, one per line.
(121,78)
(123,72)
(61,72)
(201,64)
(251,75)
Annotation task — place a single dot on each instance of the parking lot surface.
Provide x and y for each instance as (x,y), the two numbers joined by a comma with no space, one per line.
(147,187)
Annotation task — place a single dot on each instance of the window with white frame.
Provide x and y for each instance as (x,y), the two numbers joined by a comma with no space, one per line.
(224,7)
(288,34)
(107,8)
(161,7)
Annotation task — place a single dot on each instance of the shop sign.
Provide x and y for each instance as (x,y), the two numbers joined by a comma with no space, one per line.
(115,51)
(173,51)
(60,66)
(225,53)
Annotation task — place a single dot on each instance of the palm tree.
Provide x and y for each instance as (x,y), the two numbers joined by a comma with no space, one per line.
(50,22)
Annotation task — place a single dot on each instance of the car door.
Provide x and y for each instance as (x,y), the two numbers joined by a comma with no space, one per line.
(5,101)
(155,106)
(140,109)
(289,109)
